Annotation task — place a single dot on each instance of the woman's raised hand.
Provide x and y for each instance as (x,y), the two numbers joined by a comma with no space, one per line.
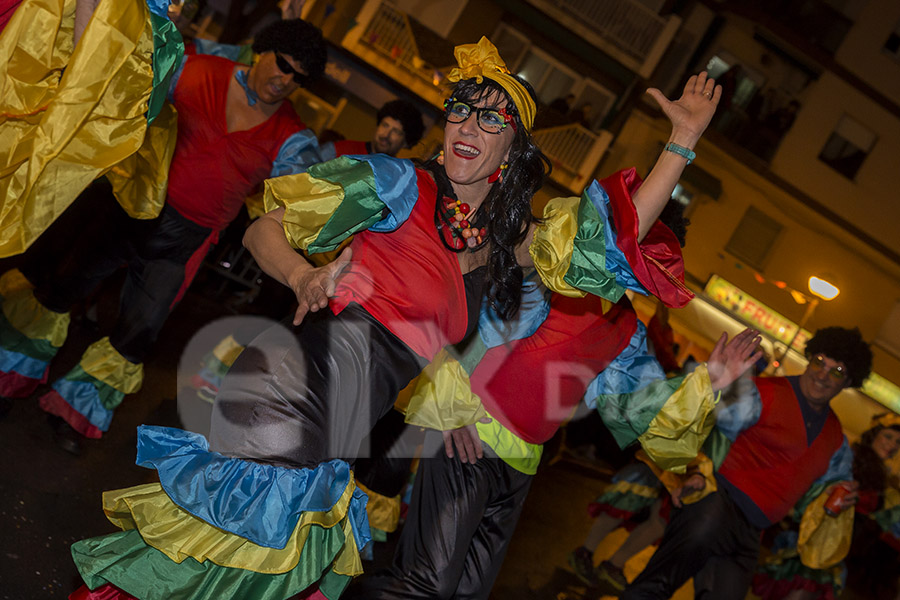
(690,114)
(313,287)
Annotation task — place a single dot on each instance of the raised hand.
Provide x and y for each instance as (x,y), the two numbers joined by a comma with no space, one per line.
(313,287)
(729,360)
(690,114)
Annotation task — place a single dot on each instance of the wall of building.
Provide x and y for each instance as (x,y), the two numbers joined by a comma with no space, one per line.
(862,52)
(808,244)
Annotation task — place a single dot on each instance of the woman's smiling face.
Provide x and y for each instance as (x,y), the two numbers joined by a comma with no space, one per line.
(471,155)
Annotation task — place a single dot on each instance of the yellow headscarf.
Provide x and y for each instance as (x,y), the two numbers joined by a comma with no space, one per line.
(482,60)
(890,419)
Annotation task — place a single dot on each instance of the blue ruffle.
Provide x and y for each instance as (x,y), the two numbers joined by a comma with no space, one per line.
(633,369)
(84,397)
(616,263)
(259,502)
(638,473)
(16,362)
(533,311)
(395,185)
(160,8)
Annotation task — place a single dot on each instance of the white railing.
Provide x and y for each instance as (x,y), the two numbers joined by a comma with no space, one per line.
(625,28)
(574,151)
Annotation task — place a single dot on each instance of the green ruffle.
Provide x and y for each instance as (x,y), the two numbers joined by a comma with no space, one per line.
(125,561)
(110,397)
(587,270)
(168,48)
(14,340)
(627,416)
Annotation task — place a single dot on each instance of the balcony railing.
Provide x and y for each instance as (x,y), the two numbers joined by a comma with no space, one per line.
(624,28)
(574,151)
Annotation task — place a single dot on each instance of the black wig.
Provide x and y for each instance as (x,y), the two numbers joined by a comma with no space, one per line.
(846,346)
(298,39)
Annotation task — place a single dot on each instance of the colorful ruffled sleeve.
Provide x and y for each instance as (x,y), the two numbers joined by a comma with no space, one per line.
(73,113)
(589,245)
(339,198)
(670,418)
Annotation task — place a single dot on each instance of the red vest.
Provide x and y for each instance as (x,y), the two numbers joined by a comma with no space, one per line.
(770,462)
(532,385)
(213,171)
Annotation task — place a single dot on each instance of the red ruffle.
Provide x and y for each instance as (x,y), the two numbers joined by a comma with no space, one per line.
(104,592)
(656,261)
(55,404)
(16,385)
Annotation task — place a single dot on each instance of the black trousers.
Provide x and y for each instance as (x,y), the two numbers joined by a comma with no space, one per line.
(71,260)
(457,531)
(298,396)
(710,541)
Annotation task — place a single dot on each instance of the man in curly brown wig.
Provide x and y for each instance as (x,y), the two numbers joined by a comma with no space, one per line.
(786,448)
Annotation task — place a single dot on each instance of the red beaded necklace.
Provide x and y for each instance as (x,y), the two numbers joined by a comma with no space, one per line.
(463,233)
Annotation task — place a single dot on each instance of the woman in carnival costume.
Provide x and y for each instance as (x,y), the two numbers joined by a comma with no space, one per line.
(268,509)
(785,574)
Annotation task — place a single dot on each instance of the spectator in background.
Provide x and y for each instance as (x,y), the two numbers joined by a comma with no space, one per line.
(583,115)
(399,125)
(563,104)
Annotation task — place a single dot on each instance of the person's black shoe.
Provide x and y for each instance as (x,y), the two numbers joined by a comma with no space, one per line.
(65,437)
(582,562)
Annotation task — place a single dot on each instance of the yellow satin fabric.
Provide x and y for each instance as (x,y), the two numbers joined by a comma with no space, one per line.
(625,487)
(673,481)
(308,204)
(179,535)
(675,435)
(384,512)
(227,351)
(33,320)
(104,363)
(553,243)
(443,398)
(482,60)
(67,115)
(13,281)
(139,181)
(891,498)
(824,541)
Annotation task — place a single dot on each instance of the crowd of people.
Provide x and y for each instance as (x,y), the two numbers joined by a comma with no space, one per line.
(440,277)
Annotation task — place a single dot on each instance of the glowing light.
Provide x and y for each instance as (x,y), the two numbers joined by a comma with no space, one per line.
(823,289)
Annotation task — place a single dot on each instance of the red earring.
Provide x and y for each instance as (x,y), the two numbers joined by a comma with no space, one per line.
(498,174)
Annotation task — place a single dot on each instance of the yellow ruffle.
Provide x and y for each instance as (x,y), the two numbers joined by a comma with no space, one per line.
(227,351)
(179,535)
(443,399)
(384,512)
(891,498)
(554,239)
(104,363)
(67,115)
(824,541)
(673,481)
(33,320)
(139,182)
(13,281)
(636,489)
(675,435)
(308,203)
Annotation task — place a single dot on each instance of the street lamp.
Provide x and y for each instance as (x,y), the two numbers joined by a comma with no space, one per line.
(821,289)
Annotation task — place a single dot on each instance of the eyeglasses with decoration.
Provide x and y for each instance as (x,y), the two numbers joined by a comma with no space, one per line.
(285,67)
(837,374)
(490,120)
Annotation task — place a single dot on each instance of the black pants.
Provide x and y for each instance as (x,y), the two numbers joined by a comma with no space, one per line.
(298,396)
(710,541)
(68,265)
(458,529)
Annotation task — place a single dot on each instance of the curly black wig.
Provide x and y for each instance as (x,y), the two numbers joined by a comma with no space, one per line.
(508,204)
(408,115)
(672,216)
(298,39)
(846,346)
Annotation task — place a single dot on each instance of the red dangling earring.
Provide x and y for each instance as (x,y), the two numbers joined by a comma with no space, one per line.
(440,158)
(498,174)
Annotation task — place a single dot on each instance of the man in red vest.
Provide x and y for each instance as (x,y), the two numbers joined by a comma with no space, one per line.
(786,446)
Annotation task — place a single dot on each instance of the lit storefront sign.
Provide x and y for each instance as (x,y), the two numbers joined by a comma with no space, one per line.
(755,313)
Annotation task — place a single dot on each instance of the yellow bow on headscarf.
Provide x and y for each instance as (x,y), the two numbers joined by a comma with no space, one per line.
(482,60)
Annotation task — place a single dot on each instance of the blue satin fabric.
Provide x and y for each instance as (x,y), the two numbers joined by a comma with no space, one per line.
(159,8)
(297,154)
(259,502)
(395,185)
(633,369)
(616,263)
(533,311)
(16,362)
(85,398)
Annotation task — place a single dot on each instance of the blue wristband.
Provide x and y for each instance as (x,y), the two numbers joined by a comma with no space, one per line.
(681,151)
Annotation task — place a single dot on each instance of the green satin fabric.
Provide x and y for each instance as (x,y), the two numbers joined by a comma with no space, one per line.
(168,48)
(124,560)
(587,270)
(627,416)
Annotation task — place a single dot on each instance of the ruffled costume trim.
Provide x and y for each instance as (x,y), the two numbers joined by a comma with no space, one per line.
(220,527)
(70,114)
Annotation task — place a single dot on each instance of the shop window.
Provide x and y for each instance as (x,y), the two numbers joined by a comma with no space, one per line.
(754,238)
(847,147)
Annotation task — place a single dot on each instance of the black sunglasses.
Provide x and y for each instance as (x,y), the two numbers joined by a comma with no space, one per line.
(285,67)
